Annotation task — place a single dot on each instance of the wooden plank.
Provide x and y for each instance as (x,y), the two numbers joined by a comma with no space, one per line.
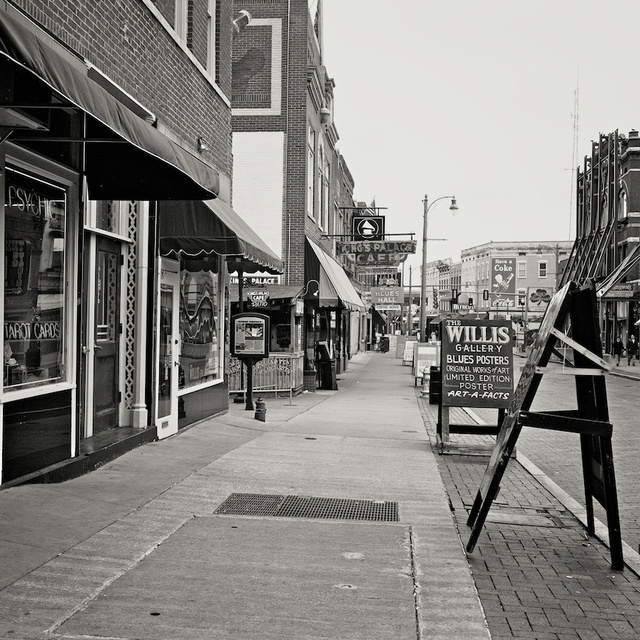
(580,349)
(556,422)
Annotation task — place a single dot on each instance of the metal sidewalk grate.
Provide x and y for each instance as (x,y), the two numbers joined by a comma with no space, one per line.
(256,504)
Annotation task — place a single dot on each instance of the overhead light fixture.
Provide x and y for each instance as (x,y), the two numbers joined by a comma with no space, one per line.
(202,145)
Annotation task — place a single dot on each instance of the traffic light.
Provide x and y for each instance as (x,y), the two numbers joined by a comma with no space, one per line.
(470,302)
(485,294)
(521,300)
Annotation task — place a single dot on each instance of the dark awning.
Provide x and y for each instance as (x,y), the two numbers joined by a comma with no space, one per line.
(194,228)
(126,158)
(378,317)
(277,292)
(334,285)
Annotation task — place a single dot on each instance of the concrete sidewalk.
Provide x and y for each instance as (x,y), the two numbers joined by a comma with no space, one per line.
(135,549)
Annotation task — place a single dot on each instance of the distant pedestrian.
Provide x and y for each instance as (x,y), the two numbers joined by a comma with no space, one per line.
(618,348)
(632,350)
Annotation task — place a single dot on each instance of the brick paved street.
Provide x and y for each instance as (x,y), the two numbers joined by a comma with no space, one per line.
(557,454)
(537,573)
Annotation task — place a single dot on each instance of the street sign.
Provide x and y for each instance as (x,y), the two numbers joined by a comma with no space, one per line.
(367,227)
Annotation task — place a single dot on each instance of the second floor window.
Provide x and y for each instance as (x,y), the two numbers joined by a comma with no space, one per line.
(542,269)
(522,269)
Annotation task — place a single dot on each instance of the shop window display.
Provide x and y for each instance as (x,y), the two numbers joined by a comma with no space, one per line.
(34,281)
(199,322)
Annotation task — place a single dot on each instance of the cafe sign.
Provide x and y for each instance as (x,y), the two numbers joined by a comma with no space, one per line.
(258,299)
(378,253)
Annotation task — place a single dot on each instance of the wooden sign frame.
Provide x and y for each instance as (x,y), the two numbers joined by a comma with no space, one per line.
(577,307)
(487,340)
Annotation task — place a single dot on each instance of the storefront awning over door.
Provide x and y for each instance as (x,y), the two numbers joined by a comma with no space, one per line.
(126,158)
(619,272)
(335,287)
(195,228)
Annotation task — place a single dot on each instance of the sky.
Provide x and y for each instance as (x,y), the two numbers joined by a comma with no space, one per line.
(495,101)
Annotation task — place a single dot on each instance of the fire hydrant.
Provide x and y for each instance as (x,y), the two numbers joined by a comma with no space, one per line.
(261,410)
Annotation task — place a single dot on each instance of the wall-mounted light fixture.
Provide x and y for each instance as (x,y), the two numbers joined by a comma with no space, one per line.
(242,21)
(325,116)
(306,289)
(202,145)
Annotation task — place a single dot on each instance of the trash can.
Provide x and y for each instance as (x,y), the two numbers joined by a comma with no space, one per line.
(309,381)
(384,344)
(435,385)
(328,374)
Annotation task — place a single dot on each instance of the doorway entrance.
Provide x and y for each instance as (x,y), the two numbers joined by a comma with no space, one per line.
(168,348)
(106,333)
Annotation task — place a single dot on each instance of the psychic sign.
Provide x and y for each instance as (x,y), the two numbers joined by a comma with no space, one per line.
(477,363)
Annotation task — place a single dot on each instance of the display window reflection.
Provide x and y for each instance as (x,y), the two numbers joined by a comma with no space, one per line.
(199,323)
(34,281)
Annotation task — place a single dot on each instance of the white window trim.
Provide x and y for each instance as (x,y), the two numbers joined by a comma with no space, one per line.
(546,269)
(275,24)
(211,37)
(48,170)
(180,20)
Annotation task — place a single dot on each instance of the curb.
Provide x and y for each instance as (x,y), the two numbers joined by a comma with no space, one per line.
(631,557)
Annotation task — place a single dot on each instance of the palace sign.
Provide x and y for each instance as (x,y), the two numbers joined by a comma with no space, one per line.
(378,253)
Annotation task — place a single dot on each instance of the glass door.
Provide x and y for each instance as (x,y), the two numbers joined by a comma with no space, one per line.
(106,387)
(168,349)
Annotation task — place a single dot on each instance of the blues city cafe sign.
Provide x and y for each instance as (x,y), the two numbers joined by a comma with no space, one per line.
(477,363)
(378,253)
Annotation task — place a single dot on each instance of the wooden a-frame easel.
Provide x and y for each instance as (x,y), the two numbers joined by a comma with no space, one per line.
(574,306)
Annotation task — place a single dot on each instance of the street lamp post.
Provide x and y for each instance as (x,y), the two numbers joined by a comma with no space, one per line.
(423,279)
(409,315)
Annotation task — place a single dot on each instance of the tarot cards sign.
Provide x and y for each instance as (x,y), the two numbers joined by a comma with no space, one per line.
(477,363)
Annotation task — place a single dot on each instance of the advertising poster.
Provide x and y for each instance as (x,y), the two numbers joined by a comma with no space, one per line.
(477,363)
(250,335)
(503,282)
(538,298)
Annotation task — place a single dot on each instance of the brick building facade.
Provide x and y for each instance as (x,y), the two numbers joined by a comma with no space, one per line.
(300,197)
(607,246)
(115,186)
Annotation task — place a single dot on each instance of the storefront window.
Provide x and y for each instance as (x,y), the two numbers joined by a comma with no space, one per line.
(199,323)
(34,281)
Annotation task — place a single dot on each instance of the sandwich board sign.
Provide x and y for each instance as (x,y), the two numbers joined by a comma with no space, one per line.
(574,306)
(477,362)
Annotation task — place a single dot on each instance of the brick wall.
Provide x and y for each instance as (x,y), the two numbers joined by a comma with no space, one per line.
(129,43)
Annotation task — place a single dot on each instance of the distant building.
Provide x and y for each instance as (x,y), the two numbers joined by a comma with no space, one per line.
(290,181)
(607,245)
(513,277)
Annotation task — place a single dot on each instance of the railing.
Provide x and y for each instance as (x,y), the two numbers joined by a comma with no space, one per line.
(277,373)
